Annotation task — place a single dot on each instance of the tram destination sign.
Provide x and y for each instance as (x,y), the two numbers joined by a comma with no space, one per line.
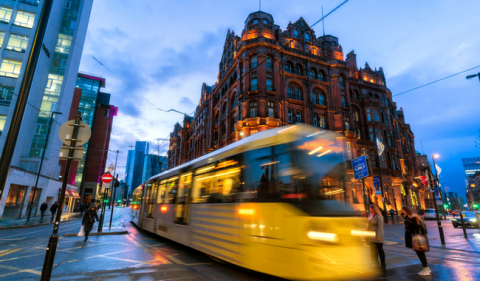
(360,169)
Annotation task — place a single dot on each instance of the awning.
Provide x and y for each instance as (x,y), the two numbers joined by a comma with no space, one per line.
(71,193)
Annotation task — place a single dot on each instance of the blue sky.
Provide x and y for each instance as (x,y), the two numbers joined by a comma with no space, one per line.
(165,50)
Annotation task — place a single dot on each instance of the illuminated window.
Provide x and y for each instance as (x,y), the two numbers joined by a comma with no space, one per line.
(271,109)
(355,115)
(2,36)
(349,150)
(5,14)
(17,43)
(3,118)
(24,19)
(253,61)
(217,185)
(10,68)
(322,121)
(253,132)
(6,94)
(346,120)
(359,136)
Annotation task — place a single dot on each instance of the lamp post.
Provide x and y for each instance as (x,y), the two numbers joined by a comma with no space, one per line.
(380,173)
(473,76)
(439,223)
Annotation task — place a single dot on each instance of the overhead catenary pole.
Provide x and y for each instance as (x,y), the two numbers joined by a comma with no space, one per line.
(53,241)
(30,207)
(114,190)
(439,223)
(16,120)
(380,174)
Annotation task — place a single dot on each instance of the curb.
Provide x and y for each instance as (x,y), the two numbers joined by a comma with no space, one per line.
(97,233)
(33,225)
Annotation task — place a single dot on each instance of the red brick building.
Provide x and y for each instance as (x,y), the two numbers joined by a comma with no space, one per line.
(261,85)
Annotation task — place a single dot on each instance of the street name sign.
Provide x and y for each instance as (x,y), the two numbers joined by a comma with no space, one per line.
(360,169)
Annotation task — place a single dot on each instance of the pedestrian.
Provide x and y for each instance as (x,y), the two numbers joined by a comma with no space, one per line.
(392,212)
(415,225)
(82,208)
(65,208)
(375,223)
(43,208)
(88,220)
(53,209)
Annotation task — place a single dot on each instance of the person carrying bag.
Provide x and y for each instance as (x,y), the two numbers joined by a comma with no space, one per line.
(88,220)
(375,224)
(416,236)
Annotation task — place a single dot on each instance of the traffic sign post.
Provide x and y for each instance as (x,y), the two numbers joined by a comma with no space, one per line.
(72,133)
(360,171)
(106,179)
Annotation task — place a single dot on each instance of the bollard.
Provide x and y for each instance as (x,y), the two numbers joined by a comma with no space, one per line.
(463,225)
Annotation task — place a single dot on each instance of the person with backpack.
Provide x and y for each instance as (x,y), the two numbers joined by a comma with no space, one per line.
(392,212)
(43,208)
(88,220)
(415,227)
(53,210)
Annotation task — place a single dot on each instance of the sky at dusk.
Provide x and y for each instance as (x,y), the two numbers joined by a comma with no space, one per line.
(165,50)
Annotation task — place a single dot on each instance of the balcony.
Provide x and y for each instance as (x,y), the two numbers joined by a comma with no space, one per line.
(252,121)
(272,122)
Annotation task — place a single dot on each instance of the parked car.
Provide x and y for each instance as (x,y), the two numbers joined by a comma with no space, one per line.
(430,214)
(470,218)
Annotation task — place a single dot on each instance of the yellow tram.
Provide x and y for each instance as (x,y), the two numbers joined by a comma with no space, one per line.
(264,203)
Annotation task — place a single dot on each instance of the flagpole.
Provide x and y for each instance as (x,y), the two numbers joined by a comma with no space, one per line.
(380,174)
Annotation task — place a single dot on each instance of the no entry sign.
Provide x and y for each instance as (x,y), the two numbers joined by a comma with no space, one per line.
(107,178)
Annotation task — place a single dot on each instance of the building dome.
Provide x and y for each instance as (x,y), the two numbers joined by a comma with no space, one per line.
(259,17)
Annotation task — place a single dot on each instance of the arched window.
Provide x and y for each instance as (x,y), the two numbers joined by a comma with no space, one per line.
(271,109)
(253,109)
(253,61)
(268,61)
(255,21)
(312,74)
(354,95)
(372,159)
(297,95)
(340,79)
(289,92)
(307,36)
(320,76)
(321,99)
(295,33)
(265,21)
(297,70)
(288,67)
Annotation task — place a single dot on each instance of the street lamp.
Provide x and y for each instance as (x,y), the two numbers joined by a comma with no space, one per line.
(473,76)
(439,223)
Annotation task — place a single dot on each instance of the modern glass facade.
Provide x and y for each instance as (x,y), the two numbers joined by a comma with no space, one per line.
(56,73)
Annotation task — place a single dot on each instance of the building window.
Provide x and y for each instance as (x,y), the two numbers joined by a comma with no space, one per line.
(349,150)
(24,19)
(288,68)
(369,117)
(253,61)
(6,94)
(3,118)
(297,95)
(342,83)
(315,120)
(253,84)
(255,21)
(269,85)
(5,14)
(376,116)
(253,132)
(386,119)
(354,95)
(358,134)
(290,116)
(320,76)
(10,68)
(253,109)
(346,120)
(307,36)
(2,37)
(269,62)
(271,109)
(295,33)
(31,2)
(389,138)
(312,74)
(297,70)
(370,130)
(17,43)
(107,112)
(289,92)
(265,21)
(372,159)
(344,102)
(393,162)
(355,116)
(299,117)
(322,121)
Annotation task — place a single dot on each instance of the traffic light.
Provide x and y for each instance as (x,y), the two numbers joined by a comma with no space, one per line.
(105,201)
(475,206)
(445,206)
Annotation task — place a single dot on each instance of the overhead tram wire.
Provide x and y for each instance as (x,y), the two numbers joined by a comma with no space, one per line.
(436,81)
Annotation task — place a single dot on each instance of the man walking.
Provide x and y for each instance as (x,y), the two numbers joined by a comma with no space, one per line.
(43,208)
(392,212)
(82,207)
(53,210)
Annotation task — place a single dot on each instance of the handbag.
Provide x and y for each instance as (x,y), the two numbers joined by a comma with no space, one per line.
(420,243)
(90,219)
(81,233)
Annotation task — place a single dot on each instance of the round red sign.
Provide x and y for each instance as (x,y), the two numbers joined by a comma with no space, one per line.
(107,178)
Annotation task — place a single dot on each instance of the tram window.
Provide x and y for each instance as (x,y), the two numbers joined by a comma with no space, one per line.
(161,192)
(182,198)
(148,200)
(218,186)
(167,191)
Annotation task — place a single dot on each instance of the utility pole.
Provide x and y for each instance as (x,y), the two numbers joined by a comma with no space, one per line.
(114,188)
(41,164)
(439,223)
(16,121)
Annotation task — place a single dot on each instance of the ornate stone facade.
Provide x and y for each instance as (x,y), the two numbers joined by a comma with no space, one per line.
(262,85)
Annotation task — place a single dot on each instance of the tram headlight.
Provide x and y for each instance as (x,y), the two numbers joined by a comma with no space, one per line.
(323,236)
(363,233)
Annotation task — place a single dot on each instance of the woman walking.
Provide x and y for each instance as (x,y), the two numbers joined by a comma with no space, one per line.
(375,223)
(414,225)
(89,220)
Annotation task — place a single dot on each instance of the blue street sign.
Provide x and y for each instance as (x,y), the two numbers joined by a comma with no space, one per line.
(376,185)
(360,169)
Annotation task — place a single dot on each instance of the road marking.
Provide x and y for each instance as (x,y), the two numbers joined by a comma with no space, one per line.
(10,251)
(97,256)
(19,270)
(153,253)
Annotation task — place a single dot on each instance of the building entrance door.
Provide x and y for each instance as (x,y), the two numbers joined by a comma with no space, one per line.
(15,202)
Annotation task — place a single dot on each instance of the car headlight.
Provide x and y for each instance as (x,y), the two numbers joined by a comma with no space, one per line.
(323,236)
(473,220)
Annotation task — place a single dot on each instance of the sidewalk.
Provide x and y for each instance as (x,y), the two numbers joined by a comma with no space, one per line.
(35,221)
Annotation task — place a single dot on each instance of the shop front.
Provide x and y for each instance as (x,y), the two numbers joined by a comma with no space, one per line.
(71,197)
